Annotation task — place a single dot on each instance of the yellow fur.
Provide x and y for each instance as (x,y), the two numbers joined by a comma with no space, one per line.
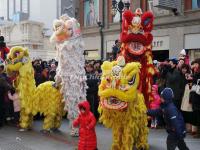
(44,99)
(129,126)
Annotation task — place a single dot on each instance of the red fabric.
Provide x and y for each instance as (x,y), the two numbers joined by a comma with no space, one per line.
(128,15)
(87,134)
(3,52)
(187,60)
(147,24)
(155,104)
(144,39)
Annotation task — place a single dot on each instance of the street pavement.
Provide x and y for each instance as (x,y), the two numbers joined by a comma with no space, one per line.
(11,139)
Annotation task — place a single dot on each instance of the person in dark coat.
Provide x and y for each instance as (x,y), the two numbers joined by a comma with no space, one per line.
(87,122)
(92,91)
(4,87)
(175,125)
(37,72)
(116,49)
(174,81)
(194,97)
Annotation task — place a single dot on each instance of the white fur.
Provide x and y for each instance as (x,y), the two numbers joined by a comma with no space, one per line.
(71,73)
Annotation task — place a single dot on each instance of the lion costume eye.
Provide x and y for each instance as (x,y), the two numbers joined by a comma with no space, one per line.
(16,54)
(108,79)
(132,81)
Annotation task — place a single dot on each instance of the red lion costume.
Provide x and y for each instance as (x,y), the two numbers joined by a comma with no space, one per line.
(136,46)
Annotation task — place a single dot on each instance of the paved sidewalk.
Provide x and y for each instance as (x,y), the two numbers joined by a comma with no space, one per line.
(11,139)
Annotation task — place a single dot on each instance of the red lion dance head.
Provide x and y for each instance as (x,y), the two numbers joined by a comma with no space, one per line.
(136,39)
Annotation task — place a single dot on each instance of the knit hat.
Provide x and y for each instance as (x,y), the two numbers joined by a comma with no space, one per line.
(183,52)
(2,43)
(1,38)
(174,60)
(167,94)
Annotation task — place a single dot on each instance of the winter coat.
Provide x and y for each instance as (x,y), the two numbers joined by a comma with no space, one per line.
(16,101)
(174,80)
(4,86)
(3,52)
(155,103)
(92,83)
(173,118)
(87,134)
(194,97)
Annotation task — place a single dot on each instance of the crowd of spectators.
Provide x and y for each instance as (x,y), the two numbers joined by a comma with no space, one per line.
(44,70)
(183,79)
(178,75)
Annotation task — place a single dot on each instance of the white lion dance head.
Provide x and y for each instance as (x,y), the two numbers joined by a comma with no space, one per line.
(65,28)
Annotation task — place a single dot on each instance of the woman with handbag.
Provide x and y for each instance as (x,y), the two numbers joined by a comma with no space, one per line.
(186,106)
(195,94)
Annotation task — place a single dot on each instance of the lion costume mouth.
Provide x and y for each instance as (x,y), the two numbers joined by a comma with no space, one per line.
(136,48)
(114,103)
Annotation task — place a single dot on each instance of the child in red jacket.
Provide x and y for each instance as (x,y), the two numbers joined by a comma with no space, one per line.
(155,104)
(87,122)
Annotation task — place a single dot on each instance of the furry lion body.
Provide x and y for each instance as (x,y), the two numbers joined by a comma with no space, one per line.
(44,99)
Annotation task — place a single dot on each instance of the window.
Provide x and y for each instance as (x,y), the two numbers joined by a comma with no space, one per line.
(150,5)
(3,9)
(17,5)
(11,9)
(25,6)
(157,11)
(116,18)
(195,4)
(58,8)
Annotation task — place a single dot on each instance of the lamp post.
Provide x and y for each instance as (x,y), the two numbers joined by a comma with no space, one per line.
(101,26)
(120,6)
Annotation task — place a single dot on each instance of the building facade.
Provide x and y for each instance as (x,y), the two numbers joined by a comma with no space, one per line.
(44,11)
(171,33)
(29,34)
(28,23)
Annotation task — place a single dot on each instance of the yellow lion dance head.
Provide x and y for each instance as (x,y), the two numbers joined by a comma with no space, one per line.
(119,84)
(17,58)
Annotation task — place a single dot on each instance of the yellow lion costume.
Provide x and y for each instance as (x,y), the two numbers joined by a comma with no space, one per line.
(44,99)
(122,106)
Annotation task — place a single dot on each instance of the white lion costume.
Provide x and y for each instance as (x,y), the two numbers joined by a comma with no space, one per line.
(70,72)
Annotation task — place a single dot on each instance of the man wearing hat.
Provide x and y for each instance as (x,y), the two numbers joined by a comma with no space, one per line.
(3,49)
(173,81)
